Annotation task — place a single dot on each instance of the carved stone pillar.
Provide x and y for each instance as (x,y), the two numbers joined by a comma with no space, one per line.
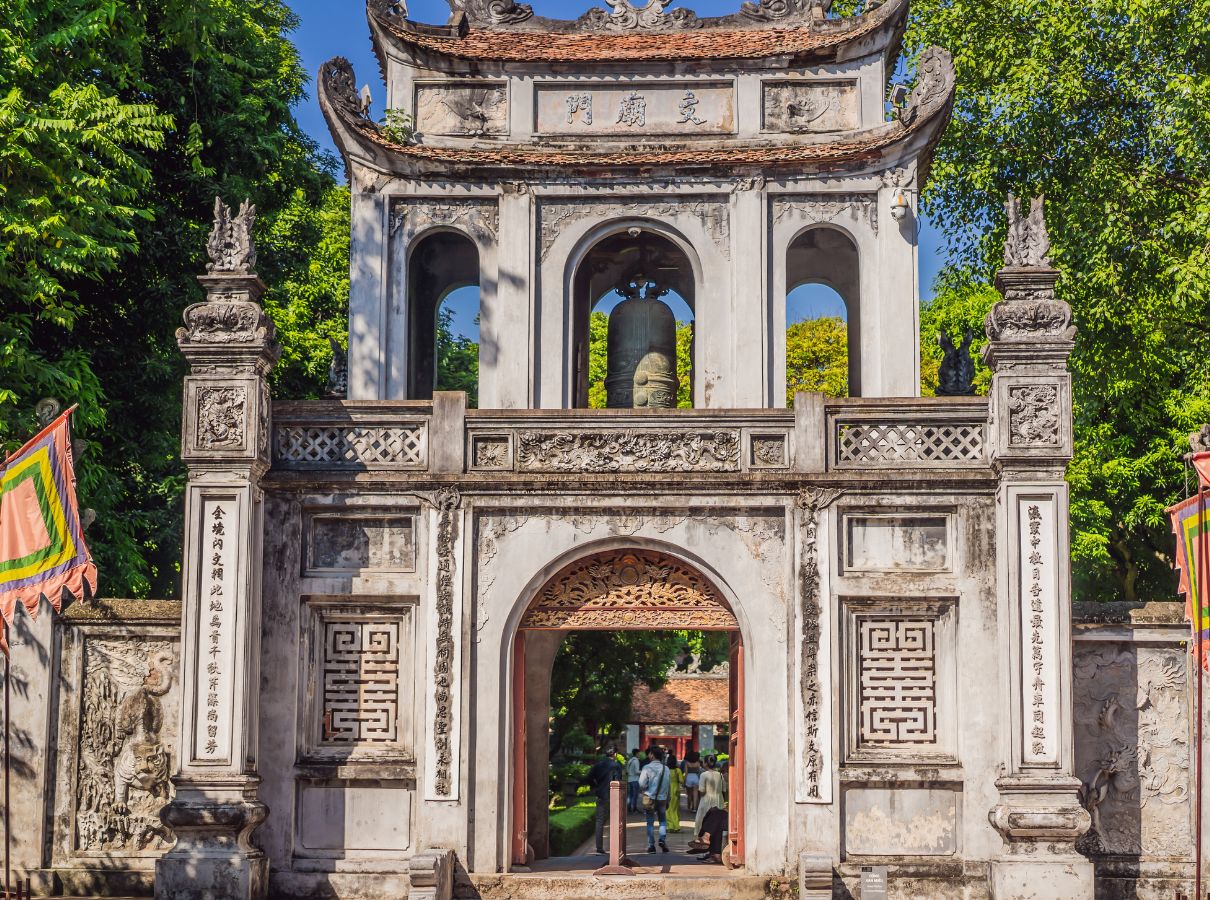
(1030,338)
(228,342)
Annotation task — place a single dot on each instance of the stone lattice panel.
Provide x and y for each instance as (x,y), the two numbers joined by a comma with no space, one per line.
(898,681)
(900,442)
(361,682)
(325,445)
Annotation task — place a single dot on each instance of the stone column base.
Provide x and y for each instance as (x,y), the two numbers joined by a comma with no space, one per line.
(213,858)
(814,876)
(1045,877)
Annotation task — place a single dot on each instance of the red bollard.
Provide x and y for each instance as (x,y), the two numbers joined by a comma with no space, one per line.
(619,862)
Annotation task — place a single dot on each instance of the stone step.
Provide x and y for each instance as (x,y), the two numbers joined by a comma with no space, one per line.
(553,886)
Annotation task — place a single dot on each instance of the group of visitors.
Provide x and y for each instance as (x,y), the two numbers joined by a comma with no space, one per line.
(654,784)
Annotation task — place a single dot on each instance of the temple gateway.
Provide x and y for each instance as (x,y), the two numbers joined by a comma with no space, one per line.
(351,700)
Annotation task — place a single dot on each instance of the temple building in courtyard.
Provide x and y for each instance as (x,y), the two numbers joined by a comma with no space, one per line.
(351,699)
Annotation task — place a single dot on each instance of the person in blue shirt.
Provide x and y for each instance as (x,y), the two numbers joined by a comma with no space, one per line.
(655,783)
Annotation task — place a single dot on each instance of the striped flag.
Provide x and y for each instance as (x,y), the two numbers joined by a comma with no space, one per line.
(1188,527)
(42,549)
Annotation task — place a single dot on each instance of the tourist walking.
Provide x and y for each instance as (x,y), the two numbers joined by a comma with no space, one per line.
(633,767)
(693,772)
(676,781)
(654,786)
(712,792)
(604,771)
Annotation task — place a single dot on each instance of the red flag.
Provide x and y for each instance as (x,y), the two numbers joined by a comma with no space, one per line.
(1201,462)
(1190,523)
(42,549)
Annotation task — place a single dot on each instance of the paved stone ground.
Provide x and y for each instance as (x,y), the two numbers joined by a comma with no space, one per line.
(674,862)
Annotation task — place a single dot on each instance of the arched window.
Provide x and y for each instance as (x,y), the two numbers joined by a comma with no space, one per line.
(633,321)
(443,316)
(823,320)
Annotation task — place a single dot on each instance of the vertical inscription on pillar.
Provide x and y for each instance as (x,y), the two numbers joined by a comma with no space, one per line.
(446,501)
(216,632)
(1039,630)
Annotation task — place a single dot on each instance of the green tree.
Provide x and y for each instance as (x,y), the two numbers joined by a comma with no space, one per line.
(119,122)
(817,357)
(457,360)
(1103,106)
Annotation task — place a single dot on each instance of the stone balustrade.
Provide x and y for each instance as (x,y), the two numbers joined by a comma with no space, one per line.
(819,435)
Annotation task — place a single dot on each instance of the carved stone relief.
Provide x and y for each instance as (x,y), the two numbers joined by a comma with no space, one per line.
(360,681)
(358,542)
(447,502)
(478,218)
(897,682)
(810,107)
(230,245)
(221,418)
(628,451)
(713,214)
(1132,748)
(828,208)
(811,501)
(635,589)
(769,451)
(128,728)
(490,452)
(462,110)
(1033,415)
(226,323)
(625,16)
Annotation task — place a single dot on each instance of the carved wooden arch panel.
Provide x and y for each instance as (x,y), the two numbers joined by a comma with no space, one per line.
(629,590)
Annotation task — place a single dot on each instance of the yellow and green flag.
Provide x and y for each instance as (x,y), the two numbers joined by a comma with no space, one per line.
(42,549)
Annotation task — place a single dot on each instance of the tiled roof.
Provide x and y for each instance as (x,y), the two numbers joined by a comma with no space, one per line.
(538,46)
(682,701)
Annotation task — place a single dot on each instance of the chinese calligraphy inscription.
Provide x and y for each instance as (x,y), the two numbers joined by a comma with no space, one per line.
(1038,630)
(216,632)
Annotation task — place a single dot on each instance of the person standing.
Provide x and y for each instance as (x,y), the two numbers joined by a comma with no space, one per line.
(693,772)
(604,771)
(711,786)
(633,767)
(675,780)
(654,787)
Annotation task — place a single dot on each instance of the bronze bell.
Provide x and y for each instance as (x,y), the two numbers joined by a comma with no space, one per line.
(641,349)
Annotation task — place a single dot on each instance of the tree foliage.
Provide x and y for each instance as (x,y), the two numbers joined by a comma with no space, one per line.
(1103,106)
(119,122)
(817,357)
(457,359)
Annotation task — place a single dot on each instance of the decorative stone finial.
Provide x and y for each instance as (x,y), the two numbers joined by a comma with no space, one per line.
(957,375)
(1199,441)
(493,12)
(230,246)
(1028,243)
(934,84)
(625,16)
(338,371)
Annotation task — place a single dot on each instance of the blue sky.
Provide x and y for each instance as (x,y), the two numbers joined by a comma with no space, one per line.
(338,28)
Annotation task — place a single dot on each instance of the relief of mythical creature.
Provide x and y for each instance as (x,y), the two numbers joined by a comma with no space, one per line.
(124,764)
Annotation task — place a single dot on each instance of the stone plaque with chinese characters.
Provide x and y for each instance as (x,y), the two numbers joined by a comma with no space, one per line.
(1039,629)
(799,107)
(216,631)
(635,109)
(359,542)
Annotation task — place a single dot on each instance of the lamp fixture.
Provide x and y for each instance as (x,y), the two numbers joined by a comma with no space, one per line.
(899,205)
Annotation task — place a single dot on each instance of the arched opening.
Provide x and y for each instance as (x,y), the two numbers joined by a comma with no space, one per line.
(823,314)
(655,600)
(632,297)
(443,316)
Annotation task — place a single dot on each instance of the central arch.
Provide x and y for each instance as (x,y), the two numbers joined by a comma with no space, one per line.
(627,588)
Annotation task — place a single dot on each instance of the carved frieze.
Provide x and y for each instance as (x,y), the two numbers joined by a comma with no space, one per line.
(811,501)
(713,214)
(491,451)
(628,451)
(635,589)
(223,322)
(477,218)
(1033,415)
(221,417)
(769,451)
(813,208)
(128,728)
(771,10)
(810,107)
(1132,748)
(1029,313)
(461,110)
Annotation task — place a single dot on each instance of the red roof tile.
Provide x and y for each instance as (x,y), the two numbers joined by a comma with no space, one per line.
(682,701)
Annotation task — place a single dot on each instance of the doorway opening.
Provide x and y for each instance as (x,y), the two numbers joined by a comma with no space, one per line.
(672,680)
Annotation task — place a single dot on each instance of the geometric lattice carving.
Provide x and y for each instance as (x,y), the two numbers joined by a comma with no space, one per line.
(881,442)
(897,667)
(631,589)
(349,445)
(361,681)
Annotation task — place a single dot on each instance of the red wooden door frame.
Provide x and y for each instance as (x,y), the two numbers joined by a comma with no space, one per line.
(520,831)
(735,766)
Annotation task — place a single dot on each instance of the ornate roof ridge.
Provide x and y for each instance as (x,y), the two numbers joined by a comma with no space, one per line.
(922,121)
(483,30)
